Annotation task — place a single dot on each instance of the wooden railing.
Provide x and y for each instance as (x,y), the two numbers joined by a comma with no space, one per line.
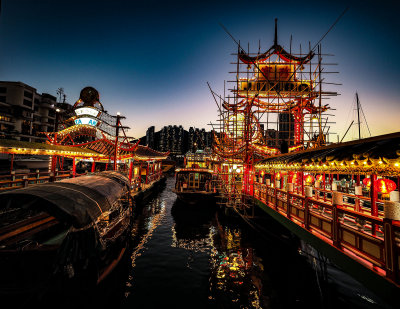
(372,240)
(16,181)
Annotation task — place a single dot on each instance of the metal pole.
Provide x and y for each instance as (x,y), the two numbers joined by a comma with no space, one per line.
(358,113)
(116,142)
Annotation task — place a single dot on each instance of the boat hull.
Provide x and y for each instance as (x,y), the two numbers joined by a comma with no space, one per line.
(196,197)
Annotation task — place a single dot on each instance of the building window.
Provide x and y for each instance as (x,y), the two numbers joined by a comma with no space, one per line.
(3,98)
(27,103)
(3,89)
(5,118)
(51,113)
(26,127)
(28,94)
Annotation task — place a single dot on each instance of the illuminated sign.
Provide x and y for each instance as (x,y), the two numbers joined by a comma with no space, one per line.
(87,121)
(87,111)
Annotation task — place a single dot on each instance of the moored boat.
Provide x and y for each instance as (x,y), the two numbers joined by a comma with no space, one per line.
(74,230)
(195,185)
(195,182)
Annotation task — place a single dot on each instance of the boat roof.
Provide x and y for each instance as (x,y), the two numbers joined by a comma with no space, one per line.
(196,170)
(77,201)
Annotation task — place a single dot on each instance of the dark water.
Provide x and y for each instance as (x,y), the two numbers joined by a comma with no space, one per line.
(196,257)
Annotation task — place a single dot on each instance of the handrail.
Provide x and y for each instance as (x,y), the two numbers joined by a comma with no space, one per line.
(372,239)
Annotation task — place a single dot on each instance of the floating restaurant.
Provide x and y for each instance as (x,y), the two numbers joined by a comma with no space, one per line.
(58,228)
(339,197)
(91,137)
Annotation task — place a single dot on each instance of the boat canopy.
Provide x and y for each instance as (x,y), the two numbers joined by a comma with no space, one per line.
(77,201)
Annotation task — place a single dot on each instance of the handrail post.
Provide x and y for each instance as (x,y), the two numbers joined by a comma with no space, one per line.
(25,181)
(374,197)
(306,213)
(12,178)
(391,258)
(337,200)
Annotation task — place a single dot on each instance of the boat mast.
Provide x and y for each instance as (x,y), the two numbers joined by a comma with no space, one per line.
(358,114)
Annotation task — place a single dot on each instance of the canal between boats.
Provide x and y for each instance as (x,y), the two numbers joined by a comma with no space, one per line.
(198,257)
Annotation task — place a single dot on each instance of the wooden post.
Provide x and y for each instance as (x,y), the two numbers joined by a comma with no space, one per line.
(337,200)
(12,163)
(25,181)
(391,257)
(306,213)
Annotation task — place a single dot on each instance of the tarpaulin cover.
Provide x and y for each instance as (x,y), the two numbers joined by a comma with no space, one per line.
(78,201)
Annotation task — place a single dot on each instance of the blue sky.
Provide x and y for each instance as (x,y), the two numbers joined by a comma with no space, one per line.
(151,60)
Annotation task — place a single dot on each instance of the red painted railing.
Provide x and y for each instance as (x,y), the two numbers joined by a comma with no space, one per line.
(371,240)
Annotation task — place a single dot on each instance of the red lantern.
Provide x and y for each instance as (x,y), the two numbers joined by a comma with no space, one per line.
(278,176)
(319,177)
(385,185)
(309,179)
(367,182)
(390,185)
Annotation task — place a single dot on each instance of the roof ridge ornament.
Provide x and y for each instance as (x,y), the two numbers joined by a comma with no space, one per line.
(276,32)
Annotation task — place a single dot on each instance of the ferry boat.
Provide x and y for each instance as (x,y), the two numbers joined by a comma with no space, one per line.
(195,182)
(71,232)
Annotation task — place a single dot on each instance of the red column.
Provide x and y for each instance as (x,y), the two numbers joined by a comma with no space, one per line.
(324,187)
(93,167)
(147,172)
(374,197)
(73,167)
(130,171)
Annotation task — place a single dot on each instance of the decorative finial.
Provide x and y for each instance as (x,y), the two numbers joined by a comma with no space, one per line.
(276,32)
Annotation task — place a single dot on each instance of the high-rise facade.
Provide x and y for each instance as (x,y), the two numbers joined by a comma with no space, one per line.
(25,114)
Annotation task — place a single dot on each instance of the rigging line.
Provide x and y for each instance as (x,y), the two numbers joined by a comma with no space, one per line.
(340,16)
(347,130)
(212,92)
(362,111)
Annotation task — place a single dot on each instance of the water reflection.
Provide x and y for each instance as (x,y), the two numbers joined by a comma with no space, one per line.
(235,272)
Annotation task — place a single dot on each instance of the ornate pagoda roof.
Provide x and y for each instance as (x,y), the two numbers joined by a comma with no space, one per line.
(278,50)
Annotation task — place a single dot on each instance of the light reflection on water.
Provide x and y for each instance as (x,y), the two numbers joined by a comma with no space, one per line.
(194,257)
(185,248)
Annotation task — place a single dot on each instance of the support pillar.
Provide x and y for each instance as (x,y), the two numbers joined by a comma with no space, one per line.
(74,167)
(130,171)
(93,166)
(12,163)
(374,197)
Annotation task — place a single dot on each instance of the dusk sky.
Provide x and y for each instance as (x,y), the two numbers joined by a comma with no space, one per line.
(151,60)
